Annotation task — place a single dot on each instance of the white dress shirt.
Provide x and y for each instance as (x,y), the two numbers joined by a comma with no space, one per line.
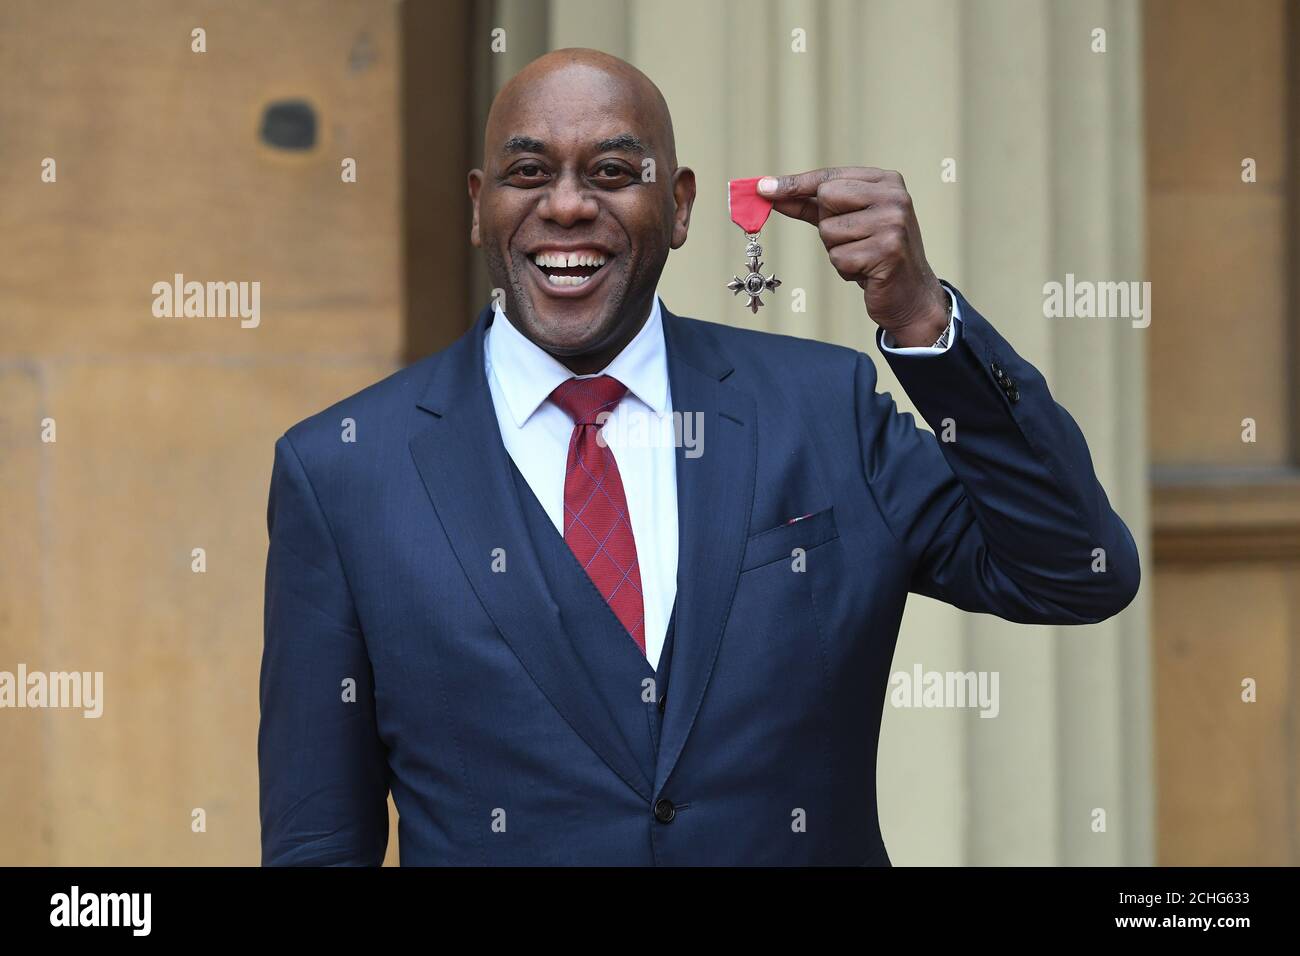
(640,433)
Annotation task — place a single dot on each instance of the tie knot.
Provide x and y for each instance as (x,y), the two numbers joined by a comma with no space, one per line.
(582,399)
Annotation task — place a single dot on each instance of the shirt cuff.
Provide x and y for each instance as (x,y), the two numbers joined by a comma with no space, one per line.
(948,338)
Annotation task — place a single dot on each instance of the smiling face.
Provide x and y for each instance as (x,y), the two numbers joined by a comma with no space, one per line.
(579,202)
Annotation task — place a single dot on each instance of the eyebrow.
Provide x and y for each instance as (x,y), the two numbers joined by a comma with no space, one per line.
(625,142)
(523,144)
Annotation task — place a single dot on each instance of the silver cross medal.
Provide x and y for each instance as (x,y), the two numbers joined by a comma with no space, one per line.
(754,284)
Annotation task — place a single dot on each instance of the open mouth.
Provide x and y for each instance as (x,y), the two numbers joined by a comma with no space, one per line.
(569,270)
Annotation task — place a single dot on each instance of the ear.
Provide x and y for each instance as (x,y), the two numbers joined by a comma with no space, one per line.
(684,197)
(475,185)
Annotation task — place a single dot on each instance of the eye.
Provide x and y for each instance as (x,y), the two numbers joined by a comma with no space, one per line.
(611,173)
(527,173)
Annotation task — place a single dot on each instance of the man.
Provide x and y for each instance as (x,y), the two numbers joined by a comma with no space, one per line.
(558,639)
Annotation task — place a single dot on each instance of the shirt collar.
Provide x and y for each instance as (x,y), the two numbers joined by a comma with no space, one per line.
(527,374)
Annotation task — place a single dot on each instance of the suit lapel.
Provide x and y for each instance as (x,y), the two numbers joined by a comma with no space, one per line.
(715,492)
(466,471)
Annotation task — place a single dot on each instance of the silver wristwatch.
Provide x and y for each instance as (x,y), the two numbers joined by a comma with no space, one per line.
(942,342)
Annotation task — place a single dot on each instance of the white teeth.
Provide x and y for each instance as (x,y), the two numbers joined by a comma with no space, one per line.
(567,280)
(562,260)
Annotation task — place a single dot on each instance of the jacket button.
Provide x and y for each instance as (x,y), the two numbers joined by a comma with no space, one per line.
(999,375)
(663,703)
(664,810)
(1013,393)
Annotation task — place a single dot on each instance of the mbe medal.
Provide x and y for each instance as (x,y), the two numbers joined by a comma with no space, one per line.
(749,211)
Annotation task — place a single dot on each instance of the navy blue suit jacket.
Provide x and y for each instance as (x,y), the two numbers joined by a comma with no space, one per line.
(506,710)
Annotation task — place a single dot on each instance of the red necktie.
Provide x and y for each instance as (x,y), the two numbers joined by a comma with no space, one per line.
(596,523)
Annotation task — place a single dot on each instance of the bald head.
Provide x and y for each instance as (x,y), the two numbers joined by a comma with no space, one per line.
(581,68)
(579,201)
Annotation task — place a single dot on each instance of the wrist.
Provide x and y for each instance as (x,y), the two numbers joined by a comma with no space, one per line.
(928,326)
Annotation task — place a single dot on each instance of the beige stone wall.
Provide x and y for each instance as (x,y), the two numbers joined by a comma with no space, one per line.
(165,426)
(1223,91)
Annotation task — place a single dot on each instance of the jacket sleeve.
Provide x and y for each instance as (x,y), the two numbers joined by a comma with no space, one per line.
(1002,512)
(323,769)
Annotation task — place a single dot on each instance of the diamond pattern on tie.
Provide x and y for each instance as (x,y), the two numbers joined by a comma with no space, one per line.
(596,523)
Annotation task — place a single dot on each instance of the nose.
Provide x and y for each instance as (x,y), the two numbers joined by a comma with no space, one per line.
(567,203)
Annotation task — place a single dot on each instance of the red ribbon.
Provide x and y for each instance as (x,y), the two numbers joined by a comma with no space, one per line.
(749,210)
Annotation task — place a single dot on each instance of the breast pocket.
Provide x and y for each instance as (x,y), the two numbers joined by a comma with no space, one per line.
(780,542)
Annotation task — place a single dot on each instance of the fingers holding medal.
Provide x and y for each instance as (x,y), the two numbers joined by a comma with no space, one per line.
(867,223)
